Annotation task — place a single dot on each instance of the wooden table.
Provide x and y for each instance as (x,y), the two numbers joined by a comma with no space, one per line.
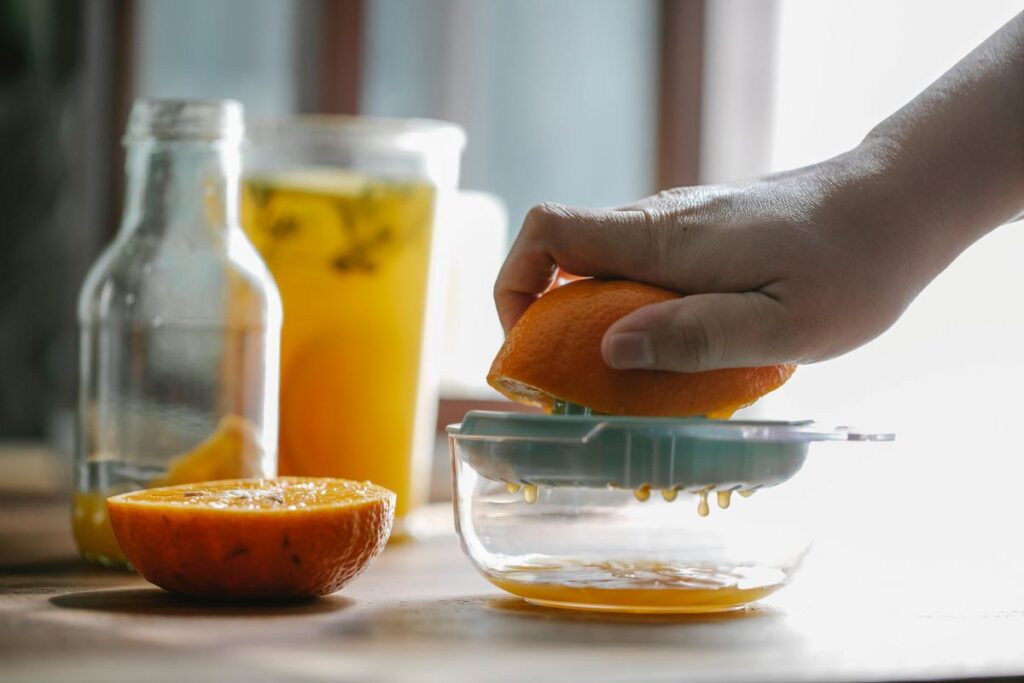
(421,613)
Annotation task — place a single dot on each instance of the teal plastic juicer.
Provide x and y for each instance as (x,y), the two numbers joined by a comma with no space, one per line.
(614,513)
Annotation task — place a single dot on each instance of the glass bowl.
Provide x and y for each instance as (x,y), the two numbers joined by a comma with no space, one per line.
(623,514)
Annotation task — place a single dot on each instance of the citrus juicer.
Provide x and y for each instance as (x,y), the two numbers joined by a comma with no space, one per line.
(559,508)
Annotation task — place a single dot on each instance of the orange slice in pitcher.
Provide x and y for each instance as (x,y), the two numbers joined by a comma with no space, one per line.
(231,452)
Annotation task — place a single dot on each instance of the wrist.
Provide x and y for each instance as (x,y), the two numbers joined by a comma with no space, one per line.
(884,209)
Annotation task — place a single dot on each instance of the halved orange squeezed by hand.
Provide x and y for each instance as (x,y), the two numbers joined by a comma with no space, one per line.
(553,353)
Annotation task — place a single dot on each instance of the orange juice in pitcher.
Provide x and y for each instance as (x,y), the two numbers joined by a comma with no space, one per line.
(347,231)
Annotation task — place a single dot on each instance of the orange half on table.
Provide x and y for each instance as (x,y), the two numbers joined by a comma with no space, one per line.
(291,537)
(553,353)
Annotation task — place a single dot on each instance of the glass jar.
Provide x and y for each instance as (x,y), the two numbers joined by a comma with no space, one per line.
(345,212)
(180,324)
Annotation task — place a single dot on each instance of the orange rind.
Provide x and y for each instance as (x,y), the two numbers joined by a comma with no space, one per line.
(553,353)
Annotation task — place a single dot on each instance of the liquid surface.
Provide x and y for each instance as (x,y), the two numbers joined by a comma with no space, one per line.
(640,587)
(350,256)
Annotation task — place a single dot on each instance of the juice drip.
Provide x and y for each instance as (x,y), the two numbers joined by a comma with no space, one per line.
(641,586)
(643,494)
(702,506)
(530,493)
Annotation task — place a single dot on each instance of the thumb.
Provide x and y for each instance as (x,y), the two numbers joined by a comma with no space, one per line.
(701,332)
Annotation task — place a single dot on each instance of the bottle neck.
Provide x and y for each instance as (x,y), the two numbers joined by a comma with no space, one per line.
(184,187)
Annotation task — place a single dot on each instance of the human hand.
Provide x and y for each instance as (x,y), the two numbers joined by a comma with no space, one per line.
(808,264)
(796,267)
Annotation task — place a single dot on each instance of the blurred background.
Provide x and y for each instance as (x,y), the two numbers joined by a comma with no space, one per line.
(591,102)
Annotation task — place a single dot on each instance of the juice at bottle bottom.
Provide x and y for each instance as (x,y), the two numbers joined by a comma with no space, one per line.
(350,255)
(90,524)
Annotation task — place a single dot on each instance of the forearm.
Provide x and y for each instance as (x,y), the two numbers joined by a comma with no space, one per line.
(956,152)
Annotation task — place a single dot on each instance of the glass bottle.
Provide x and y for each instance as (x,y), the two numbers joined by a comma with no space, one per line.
(180,324)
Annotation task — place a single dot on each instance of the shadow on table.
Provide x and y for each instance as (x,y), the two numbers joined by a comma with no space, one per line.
(156,602)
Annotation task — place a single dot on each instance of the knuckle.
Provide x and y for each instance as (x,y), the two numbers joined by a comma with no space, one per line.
(542,221)
(544,213)
(537,218)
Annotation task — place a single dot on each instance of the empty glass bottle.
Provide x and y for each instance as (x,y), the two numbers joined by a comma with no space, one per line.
(180,324)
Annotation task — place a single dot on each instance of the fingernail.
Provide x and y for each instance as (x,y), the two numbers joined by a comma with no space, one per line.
(629,350)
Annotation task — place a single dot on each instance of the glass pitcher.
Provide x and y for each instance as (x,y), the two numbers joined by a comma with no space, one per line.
(345,212)
(180,324)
